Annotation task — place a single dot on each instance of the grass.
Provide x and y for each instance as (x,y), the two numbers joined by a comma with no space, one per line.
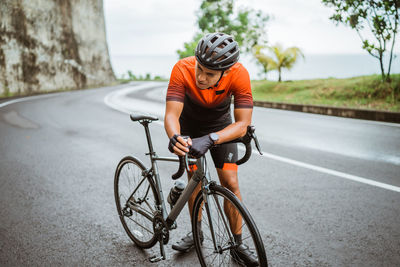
(365,92)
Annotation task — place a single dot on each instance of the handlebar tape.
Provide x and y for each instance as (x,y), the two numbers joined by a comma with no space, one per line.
(247,155)
(181,169)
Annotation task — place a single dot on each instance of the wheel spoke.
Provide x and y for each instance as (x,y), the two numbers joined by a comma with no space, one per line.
(222,223)
(150,207)
(145,228)
(136,192)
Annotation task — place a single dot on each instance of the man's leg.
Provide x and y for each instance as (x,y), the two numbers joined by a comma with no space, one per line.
(228,178)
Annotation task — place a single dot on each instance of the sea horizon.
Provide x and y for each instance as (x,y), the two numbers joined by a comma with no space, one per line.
(314,66)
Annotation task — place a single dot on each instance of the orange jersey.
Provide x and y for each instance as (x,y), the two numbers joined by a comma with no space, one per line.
(182,84)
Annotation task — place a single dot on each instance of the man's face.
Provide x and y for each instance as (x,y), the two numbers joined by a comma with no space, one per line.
(206,78)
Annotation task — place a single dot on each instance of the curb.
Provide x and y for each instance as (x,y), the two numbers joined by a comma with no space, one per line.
(363,114)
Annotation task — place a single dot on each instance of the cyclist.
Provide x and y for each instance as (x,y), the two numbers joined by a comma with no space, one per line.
(198,105)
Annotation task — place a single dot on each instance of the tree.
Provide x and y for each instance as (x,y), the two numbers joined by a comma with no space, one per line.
(189,47)
(131,75)
(377,18)
(247,26)
(263,60)
(278,59)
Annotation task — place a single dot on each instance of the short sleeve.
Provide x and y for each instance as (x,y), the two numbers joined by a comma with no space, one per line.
(243,97)
(176,86)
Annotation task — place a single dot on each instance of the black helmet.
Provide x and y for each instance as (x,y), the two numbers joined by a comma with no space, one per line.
(217,51)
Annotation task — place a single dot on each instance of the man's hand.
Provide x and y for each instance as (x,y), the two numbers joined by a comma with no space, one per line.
(179,144)
(200,146)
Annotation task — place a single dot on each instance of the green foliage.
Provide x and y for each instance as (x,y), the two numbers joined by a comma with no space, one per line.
(133,77)
(278,57)
(264,61)
(189,47)
(247,26)
(358,92)
(6,93)
(379,19)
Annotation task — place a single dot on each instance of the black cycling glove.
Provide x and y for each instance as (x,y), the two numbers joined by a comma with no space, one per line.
(172,141)
(200,146)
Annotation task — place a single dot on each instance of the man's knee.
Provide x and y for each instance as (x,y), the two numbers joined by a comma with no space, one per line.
(229,179)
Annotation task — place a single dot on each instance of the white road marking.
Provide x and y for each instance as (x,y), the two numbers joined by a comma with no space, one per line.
(118,100)
(118,95)
(22,99)
(327,171)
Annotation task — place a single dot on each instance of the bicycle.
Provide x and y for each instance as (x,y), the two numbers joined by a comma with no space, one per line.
(143,213)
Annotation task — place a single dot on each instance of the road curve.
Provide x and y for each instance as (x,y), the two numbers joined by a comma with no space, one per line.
(58,156)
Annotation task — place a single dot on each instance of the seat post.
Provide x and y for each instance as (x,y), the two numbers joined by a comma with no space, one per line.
(148,137)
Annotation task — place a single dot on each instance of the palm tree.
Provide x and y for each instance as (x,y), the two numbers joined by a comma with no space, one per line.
(279,59)
(263,60)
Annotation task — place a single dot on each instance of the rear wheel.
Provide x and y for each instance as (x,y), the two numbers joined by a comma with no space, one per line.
(136,199)
(210,217)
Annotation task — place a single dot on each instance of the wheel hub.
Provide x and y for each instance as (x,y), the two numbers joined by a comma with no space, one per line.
(127,212)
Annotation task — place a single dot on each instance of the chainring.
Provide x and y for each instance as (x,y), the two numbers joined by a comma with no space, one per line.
(160,228)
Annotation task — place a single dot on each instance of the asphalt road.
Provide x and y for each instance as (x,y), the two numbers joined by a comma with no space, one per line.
(326,192)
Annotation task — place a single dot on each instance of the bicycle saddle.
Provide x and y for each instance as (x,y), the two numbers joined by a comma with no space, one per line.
(143,117)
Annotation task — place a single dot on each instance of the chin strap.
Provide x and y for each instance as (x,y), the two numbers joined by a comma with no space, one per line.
(222,74)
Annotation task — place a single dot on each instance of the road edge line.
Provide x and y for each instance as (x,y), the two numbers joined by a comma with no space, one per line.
(23,99)
(329,171)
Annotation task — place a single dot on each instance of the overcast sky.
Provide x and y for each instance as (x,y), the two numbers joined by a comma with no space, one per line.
(161,27)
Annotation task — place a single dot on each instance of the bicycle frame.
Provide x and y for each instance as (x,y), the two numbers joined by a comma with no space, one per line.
(194,181)
(200,175)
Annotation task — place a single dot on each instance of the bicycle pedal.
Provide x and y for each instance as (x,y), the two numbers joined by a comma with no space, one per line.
(154,259)
(173,226)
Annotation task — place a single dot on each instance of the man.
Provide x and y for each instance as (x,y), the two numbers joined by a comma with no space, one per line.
(198,105)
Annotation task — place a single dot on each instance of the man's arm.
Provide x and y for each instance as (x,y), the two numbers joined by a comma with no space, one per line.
(173,110)
(238,128)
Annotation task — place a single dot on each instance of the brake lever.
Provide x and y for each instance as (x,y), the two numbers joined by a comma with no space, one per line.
(256,142)
(186,155)
(187,162)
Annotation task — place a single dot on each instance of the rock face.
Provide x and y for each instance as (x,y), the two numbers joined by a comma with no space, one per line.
(52,44)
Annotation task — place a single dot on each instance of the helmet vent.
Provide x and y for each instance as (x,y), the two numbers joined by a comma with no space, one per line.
(217,51)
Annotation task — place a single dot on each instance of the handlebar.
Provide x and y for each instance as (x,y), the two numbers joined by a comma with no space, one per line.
(246,140)
(181,169)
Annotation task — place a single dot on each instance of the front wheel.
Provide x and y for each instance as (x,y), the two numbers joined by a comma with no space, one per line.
(217,236)
(136,200)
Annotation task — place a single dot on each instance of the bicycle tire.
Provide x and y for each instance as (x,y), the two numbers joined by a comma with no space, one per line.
(136,215)
(205,249)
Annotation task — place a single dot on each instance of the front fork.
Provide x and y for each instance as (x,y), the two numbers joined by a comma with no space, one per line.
(220,212)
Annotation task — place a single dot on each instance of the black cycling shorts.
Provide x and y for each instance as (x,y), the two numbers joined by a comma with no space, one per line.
(225,155)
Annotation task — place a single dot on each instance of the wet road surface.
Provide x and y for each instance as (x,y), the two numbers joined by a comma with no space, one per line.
(326,193)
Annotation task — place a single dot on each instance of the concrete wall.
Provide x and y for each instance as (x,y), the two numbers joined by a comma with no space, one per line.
(52,44)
